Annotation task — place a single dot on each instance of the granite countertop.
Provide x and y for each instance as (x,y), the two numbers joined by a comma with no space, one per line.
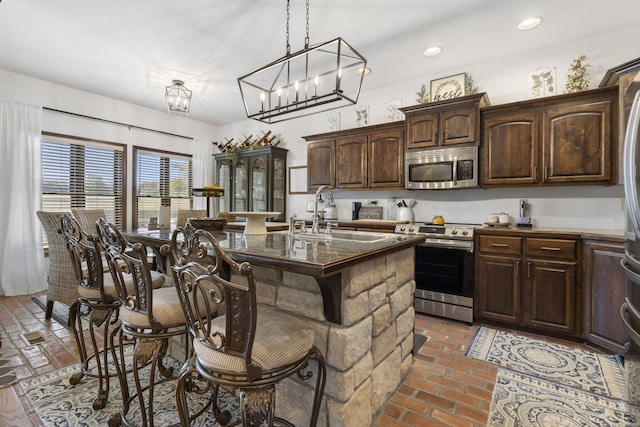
(583,233)
(316,256)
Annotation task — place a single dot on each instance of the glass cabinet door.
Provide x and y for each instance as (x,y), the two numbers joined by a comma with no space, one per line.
(224,181)
(259,185)
(279,185)
(240,186)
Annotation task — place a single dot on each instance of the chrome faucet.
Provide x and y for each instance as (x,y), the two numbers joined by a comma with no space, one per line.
(292,223)
(315,227)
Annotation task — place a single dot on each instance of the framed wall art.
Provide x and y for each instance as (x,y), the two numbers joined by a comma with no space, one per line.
(542,82)
(448,87)
(362,116)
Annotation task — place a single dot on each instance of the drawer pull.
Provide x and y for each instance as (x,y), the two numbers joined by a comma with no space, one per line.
(499,245)
(548,248)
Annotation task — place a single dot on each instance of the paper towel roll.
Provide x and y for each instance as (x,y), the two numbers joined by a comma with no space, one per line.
(165,217)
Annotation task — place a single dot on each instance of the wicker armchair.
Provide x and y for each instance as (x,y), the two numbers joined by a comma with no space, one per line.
(185,214)
(87,218)
(63,286)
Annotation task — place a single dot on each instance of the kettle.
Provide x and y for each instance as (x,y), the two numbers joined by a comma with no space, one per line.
(438,220)
(331,212)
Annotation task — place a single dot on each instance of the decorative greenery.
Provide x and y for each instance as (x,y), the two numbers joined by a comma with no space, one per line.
(578,77)
(423,95)
(469,88)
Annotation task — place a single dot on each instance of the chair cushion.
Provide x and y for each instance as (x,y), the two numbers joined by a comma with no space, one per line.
(167,310)
(157,280)
(280,339)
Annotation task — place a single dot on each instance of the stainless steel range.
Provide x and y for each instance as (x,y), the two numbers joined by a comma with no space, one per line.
(443,269)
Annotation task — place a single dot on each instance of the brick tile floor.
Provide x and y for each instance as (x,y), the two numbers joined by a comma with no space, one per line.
(443,388)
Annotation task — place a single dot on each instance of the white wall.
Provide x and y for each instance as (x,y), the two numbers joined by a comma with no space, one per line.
(504,80)
(15,87)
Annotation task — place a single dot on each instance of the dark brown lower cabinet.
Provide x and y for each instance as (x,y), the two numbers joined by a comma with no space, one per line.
(528,282)
(605,284)
(550,296)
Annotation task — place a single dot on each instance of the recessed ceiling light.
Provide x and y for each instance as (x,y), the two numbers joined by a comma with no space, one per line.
(363,71)
(529,23)
(432,51)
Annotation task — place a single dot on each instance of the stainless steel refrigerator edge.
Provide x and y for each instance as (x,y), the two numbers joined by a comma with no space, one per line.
(630,310)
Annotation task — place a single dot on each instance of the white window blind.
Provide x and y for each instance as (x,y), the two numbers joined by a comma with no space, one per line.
(162,179)
(78,173)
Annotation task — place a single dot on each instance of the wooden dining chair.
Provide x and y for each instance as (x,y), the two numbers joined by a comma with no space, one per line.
(249,348)
(149,317)
(62,286)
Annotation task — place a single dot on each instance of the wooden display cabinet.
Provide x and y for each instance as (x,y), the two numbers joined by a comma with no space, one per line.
(253,180)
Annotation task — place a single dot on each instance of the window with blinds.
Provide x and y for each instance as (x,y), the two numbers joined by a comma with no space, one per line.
(79,173)
(161,179)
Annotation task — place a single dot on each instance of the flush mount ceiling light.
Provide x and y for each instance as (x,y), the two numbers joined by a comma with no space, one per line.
(433,51)
(363,71)
(178,98)
(309,81)
(530,23)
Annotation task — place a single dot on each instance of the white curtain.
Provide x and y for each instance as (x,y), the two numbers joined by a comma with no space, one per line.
(23,268)
(203,172)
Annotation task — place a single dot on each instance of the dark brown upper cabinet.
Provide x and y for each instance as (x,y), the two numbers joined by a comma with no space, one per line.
(442,123)
(360,158)
(565,139)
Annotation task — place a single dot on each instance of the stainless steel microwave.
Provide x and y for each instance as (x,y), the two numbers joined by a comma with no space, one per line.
(440,169)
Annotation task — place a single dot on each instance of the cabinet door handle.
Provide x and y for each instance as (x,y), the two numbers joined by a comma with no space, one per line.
(518,269)
(499,245)
(548,248)
(535,174)
(528,270)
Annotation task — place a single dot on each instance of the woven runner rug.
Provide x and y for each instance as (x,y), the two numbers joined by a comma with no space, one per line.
(548,384)
(7,375)
(58,403)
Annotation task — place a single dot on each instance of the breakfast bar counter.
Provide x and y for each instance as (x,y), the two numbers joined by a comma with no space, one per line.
(357,294)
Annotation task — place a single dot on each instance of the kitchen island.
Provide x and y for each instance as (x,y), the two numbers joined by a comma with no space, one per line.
(357,294)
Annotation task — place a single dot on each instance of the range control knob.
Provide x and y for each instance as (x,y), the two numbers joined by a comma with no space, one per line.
(454,231)
(465,231)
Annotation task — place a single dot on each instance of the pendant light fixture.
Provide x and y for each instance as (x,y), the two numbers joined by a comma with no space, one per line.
(178,98)
(317,78)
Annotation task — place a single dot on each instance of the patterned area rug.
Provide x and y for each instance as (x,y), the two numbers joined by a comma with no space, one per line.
(585,370)
(58,403)
(525,401)
(548,384)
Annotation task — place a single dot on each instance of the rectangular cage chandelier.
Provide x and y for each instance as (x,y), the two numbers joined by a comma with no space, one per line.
(317,78)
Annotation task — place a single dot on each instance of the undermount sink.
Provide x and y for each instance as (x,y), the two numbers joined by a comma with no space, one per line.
(352,236)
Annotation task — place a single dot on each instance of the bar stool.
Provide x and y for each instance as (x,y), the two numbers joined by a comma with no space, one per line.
(98,298)
(249,348)
(149,317)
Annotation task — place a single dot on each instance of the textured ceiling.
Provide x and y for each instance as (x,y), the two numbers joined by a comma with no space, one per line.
(131,49)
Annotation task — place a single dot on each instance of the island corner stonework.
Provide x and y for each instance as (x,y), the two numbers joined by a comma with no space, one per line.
(367,355)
